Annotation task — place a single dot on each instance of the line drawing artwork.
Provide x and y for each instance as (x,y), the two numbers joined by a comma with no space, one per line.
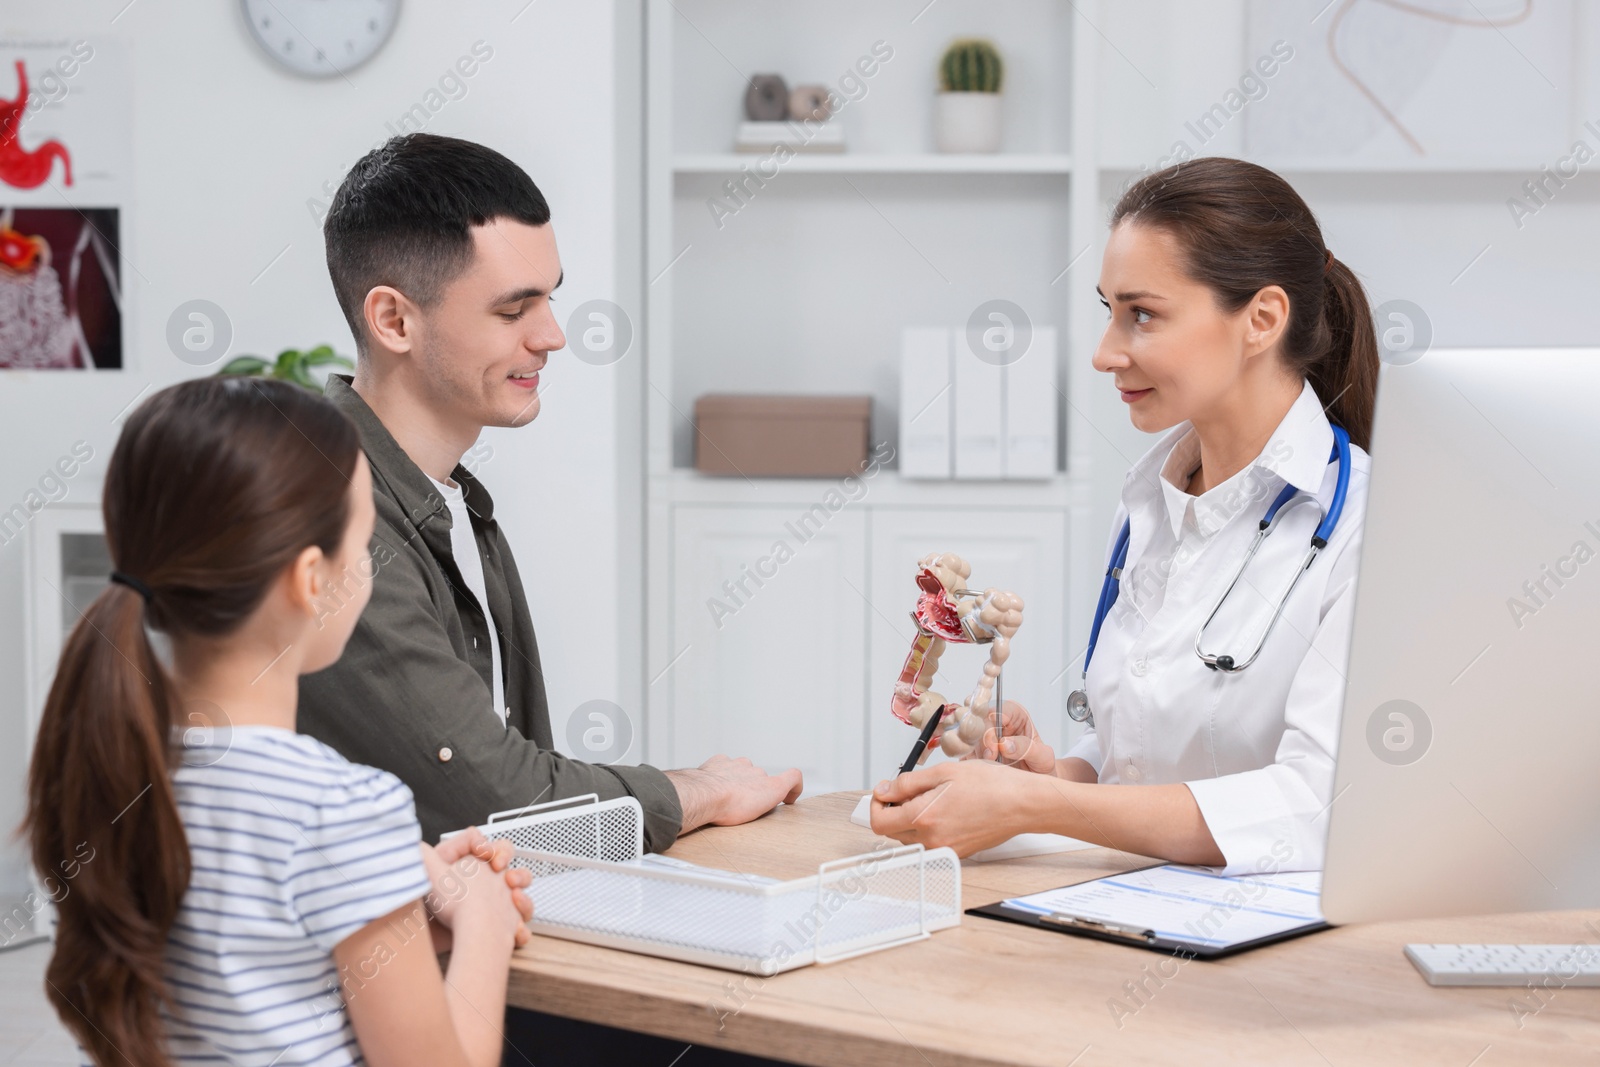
(1416,82)
(1346,6)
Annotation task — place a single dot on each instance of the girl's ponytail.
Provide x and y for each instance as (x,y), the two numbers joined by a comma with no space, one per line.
(112,855)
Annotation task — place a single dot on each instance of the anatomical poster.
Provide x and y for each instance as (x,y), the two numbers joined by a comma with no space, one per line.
(64,164)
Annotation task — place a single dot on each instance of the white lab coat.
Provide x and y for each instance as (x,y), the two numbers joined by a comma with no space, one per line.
(1256,747)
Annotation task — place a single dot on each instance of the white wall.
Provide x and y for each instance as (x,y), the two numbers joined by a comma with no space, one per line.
(227,151)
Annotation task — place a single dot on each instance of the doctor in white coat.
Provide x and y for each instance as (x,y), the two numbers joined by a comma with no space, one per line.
(1233,328)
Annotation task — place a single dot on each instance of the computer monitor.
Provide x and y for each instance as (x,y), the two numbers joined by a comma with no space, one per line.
(1468,776)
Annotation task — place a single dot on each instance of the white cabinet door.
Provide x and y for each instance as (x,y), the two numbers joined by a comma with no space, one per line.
(1021,550)
(769,629)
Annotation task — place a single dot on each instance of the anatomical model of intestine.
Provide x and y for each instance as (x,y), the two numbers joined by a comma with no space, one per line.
(947,611)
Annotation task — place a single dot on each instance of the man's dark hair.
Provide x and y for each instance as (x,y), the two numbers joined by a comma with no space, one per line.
(403,217)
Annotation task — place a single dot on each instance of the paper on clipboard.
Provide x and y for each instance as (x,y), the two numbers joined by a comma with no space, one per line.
(1014,848)
(1188,904)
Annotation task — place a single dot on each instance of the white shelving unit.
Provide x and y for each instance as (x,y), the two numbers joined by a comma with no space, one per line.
(802,286)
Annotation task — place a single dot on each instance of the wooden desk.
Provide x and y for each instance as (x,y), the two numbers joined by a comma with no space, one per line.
(1015,995)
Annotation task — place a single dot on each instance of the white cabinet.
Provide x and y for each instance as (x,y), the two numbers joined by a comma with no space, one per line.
(1022,550)
(768,640)
(786,636)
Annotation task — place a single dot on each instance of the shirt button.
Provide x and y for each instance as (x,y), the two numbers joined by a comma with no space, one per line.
(1131,773)
(1139,667)
(444,754)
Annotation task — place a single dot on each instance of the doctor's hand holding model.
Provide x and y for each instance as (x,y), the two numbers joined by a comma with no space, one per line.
(1214,678)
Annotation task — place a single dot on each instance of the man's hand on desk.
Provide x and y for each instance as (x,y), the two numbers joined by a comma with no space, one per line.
(727,792)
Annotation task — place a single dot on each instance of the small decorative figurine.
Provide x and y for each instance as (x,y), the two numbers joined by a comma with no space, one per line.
(766,99)
(809,103)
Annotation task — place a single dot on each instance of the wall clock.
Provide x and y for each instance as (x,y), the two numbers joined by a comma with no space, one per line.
(321,38)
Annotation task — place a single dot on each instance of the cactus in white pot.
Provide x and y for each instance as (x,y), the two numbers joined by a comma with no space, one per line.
(967,109)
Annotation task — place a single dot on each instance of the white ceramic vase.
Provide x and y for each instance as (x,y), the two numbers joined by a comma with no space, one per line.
(967,122)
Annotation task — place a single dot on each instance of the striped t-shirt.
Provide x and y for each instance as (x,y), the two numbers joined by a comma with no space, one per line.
(294,849)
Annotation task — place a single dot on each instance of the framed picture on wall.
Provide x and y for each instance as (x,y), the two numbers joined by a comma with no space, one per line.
(65,184)
(60,289)
(1380,84)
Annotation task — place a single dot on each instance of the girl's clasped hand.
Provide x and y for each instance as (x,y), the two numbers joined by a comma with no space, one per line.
(458,867)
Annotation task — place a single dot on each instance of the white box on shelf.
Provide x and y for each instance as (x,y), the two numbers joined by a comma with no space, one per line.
(925,390)
(1030,409)
(979,414)
(795,135)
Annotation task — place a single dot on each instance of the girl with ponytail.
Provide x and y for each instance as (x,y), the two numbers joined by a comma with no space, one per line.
(240,893)
(1236,333)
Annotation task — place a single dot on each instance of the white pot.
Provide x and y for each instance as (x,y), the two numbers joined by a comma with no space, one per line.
(967,122)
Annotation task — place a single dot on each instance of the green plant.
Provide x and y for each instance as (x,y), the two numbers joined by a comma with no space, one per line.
(971,65)
(292,365)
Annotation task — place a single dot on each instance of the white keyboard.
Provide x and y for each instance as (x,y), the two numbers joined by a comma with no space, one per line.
(1507,965)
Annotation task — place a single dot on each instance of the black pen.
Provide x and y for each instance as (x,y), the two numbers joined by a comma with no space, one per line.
(934,718)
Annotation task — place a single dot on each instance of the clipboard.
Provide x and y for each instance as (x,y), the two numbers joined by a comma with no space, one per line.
(1175,910)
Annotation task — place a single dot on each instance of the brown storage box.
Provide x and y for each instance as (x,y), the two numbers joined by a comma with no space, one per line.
(781,436)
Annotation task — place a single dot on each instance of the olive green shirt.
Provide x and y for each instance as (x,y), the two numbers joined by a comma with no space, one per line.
(412,693)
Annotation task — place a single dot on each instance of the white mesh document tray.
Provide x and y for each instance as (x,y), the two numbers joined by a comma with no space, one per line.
(592,882)
(579,826)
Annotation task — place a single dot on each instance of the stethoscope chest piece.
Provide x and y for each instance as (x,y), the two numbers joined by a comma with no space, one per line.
(1078,707)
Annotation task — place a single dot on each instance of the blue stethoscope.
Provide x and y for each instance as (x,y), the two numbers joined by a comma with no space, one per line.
(1078,701)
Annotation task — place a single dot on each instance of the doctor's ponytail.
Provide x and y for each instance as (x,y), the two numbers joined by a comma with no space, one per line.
(1346,374)
(1243,228)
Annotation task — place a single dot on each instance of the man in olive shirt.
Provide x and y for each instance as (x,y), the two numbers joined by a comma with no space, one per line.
(443,260)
